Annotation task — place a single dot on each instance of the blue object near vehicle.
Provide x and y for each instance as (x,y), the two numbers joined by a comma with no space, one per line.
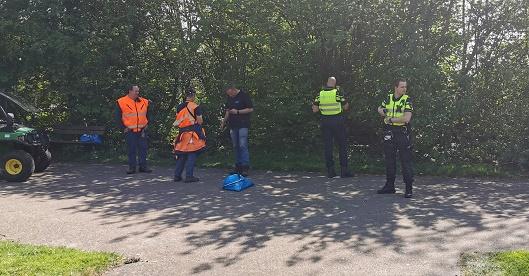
(236,182)
(91,138)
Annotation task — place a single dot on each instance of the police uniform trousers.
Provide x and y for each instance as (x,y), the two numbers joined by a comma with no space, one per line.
(333,129)
(397,139)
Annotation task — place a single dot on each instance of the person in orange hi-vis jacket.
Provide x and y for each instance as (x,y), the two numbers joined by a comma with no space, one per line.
(132,115)
(191,139)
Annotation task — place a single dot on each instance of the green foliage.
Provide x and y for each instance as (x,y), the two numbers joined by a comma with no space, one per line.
(21,259)
(514,262)
(466,62)
(507,263)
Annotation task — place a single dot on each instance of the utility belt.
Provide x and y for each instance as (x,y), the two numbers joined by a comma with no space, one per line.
(187,128)
(401,129)
(193,128)
(339,115)
(390,132)
(332,118)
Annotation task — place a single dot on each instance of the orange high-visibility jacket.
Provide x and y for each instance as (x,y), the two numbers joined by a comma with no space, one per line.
(186,117)
(134,112)
(188,140)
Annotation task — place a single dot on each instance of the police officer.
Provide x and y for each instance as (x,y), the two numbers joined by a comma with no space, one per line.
(132,116)
(396,110)
(331,105)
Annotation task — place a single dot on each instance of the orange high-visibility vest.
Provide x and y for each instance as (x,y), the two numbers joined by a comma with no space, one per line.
(134,112)
(186,117)
(188,140)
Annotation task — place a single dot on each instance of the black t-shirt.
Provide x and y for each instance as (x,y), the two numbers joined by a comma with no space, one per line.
(198,110)
(240,101)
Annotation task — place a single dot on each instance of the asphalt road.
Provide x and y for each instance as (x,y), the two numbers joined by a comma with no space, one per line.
(288,224)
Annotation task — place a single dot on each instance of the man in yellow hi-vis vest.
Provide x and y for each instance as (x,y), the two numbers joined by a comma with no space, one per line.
(331,105)
(396,110)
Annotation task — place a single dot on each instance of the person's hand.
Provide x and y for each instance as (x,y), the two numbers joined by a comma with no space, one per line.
(126,130)
(233,111)
(222,126)
(387,120)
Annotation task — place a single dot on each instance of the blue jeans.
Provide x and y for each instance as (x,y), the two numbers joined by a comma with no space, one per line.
(188,160)
(136,147)
(239,138)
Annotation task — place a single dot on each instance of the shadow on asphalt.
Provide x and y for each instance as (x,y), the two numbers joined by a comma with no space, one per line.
(310,209)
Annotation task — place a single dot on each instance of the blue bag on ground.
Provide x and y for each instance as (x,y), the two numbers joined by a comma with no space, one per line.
(91,138)
(236,182)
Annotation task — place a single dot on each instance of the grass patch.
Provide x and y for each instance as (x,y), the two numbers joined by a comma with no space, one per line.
(106,155)
(290,161)
(362,161)
(508,263)
(466,170)
(21,259)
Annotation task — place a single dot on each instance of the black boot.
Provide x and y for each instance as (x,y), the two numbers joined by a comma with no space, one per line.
(236,170)
(190,179)
(330,172)
(345,173)
(244,170)
(387,189)
(132,170)
(145,170)
(408,193)
(177,179)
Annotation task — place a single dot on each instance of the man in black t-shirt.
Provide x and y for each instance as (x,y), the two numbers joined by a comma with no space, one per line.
(238,109)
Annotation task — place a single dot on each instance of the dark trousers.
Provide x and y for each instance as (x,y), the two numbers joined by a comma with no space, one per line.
(333,129)
(186,160)
(398,140)
(137,148)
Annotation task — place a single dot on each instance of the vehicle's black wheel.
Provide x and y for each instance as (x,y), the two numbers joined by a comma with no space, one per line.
(42,160)
(17,166)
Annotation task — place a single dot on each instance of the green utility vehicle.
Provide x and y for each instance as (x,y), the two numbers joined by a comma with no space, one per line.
(23,150)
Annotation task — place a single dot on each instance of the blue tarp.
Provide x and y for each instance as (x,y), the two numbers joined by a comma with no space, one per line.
(91,138)
(236,182)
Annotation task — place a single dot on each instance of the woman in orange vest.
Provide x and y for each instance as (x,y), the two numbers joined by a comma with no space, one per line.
(132,116)
(191,139)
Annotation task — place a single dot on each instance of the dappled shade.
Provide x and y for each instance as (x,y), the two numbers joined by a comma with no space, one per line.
(315,213)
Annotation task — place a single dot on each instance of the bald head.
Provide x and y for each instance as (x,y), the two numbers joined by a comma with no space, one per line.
(331,82)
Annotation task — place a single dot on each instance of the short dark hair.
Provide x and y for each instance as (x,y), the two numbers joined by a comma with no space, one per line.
(230,86)
(131,87)
(190,92)
(398,81)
